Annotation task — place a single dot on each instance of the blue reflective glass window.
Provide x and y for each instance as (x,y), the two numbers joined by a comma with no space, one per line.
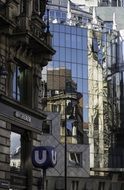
(52,13)
(74,70)
(62,28)
(80,85)
(62,39)
(85,57)
(85,71)
(79,56)
(63,15)
(50,65)
(51,28)
(56,39)
(85,100)
(80,70)
(74,42)
(68,65)
(68,29)
(84,32)
(85,46)
(56,27)
(68,40)
(79,42)
(79,31)
(85,86)
(56,55)
(73,30)
(68,54)
(85,114)
(73,55)
(62,54)
(57,14)
(56,64)
(62,64)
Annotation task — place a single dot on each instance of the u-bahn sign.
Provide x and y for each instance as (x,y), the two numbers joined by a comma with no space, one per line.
(44,157)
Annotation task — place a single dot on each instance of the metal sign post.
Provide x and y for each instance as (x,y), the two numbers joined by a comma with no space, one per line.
(44,179)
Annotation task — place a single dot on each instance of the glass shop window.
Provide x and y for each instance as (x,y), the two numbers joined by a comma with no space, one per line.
(19,91)
(75,159)
(20,149)
(15,150)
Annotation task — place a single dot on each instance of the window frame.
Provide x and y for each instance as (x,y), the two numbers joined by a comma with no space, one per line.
(77,162)
(47,123)
(25,143)
(15,91)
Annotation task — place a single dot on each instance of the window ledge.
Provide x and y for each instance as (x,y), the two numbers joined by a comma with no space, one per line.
(23,108)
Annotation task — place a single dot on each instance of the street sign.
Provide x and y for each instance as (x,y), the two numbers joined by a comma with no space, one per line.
(44,157)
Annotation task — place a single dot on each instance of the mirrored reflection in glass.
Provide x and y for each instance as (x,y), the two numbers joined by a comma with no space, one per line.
(85,72)
(74,60)
(68,54)
(85,57)
(85,115)
(68,40)
(62,64)
(62,54)
(85,100)
(67,29)
(79,42)
(56,27)
(74,70)
(80,70)
(80,85)
(57,54)
(85,86)
(56,39)
(15,150)
(73,30)
(62,39)
(79,56)
(73,40)
(62,28)
(68,65)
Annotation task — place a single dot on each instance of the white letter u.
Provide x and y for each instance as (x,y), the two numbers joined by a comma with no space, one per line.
(43,159)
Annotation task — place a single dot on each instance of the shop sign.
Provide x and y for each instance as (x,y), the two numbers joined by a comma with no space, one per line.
(44,157)
(22,116)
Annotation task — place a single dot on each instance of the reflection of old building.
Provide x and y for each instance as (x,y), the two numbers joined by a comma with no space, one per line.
(85,71)
(67,93)
(24,50)
(96,123)
(66,100)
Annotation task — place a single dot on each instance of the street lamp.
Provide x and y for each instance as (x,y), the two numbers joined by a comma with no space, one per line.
(65,148)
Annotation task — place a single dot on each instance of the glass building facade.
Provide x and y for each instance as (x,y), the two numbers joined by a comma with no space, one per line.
(67,77)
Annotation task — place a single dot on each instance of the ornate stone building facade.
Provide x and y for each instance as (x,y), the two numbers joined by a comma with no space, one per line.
(25,48)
